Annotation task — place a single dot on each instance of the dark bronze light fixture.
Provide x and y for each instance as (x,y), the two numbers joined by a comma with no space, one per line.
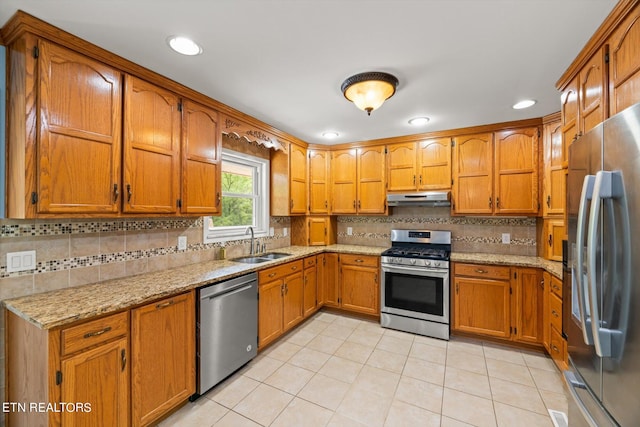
(369,90)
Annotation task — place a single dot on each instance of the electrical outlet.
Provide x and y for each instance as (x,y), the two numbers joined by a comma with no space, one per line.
(506,238)
(21,261)
(349,231)
(285,231)
(182,243)
(272,232)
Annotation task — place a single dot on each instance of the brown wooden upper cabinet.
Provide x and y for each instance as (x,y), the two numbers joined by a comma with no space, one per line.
(358,181)
(498,177)
(319,182)
(624,63)
(289,181)
(73,165)
(553,188)
(85,139)
(151,148)
(201,142)
(416,166)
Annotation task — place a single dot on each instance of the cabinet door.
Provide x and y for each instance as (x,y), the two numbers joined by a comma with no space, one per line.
(592,92)
(434,164)
(554,181)
(310,291)
(569,104)
(293,300)
(554,234)
(298,179)
(151,148)
(100,377)
(319,181)
(529,300)
(372,196)
(79,134)
(359,289)
(401,167)
(516,171)
(546,324)
(624,63)
(270,311)
(482,306)
(317,231)
(163,357)
(473,174)
(201,144)
(343,181)
(330,280)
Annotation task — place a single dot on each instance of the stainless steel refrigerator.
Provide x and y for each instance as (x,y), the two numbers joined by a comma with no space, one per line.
(602,296)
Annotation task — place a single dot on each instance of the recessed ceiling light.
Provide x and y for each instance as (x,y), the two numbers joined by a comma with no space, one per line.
(419,121)
(330,135)
(524,104)
(184,45)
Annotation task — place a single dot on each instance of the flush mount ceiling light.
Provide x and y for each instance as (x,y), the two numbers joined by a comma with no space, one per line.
(369,90)
(330,135)
(523,104)
(184,45)
(419,121)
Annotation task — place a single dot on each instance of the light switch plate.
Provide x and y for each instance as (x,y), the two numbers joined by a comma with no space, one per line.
(182,243)
(506,238)
(21,261)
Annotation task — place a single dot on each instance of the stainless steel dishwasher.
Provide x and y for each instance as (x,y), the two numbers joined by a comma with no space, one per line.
(227,328)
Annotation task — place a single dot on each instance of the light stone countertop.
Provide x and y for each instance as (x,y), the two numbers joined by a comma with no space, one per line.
(57,308)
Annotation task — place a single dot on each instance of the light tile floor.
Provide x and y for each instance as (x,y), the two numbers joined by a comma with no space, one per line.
(335,370)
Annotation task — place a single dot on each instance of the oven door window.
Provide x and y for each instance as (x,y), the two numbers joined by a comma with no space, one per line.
(421,294)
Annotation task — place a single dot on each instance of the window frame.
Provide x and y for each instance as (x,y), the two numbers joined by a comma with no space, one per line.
(261,204)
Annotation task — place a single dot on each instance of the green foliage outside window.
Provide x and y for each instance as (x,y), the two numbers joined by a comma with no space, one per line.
(237,196)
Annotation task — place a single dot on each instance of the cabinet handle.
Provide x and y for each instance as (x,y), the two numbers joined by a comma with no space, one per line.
(542,284)
(375,279)
(326,204)
(498,202)
(354,204)
(272,274)
(555,313)
(116,193)
(286,289)
(123,359)
(164,304)
(294,268)
(550,240)
(481,271)
(291,203)
(97,333)
(129,192)
(414,180)
(359,204)
(218,198)
(490,203)
(457,288)
(556,349)
(282,289)
(420,179)
(556,287)
(359,260)
(548,200)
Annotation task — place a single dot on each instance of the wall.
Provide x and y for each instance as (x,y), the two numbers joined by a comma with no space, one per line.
(468,234)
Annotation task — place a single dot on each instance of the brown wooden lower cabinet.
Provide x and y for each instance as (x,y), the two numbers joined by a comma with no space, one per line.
(498,301)
(553,341)
(310,278)
(359,283)
(329,280)
(163,357)
(87,362)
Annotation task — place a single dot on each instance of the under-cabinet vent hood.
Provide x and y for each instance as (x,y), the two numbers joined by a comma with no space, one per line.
(426,198)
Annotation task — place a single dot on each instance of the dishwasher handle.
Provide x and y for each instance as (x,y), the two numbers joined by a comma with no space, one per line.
(228,286)
(231,291)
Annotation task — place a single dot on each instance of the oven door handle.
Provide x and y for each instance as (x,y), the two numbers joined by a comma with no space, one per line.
(414,270)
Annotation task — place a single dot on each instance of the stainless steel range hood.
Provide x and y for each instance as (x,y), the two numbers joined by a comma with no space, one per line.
(426,198)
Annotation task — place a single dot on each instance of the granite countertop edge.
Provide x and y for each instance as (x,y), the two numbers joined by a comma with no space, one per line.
(61,307)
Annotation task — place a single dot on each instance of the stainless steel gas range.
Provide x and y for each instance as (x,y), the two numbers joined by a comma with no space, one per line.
(415,282)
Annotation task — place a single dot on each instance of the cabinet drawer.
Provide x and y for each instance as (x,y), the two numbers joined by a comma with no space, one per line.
(275,273)
(483,271)
(309,261)
(555,312)
(361,260)
(557,346)
(88,334)
(556,286)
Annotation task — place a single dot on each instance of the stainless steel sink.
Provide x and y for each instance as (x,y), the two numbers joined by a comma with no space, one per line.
(261,258)
(275,255)
(251,259)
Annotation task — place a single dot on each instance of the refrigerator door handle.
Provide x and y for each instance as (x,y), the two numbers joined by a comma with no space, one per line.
(608,342)
(573,383)
(585,196)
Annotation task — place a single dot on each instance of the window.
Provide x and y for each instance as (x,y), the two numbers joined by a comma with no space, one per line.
(245,199)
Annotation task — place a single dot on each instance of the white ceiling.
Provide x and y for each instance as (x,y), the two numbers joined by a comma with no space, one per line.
(459,62)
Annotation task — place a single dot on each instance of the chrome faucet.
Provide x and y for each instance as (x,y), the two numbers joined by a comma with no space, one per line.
(250,229)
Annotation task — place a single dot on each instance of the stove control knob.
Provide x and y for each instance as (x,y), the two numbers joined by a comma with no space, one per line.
(436,263)
(428,263)
(413,261)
